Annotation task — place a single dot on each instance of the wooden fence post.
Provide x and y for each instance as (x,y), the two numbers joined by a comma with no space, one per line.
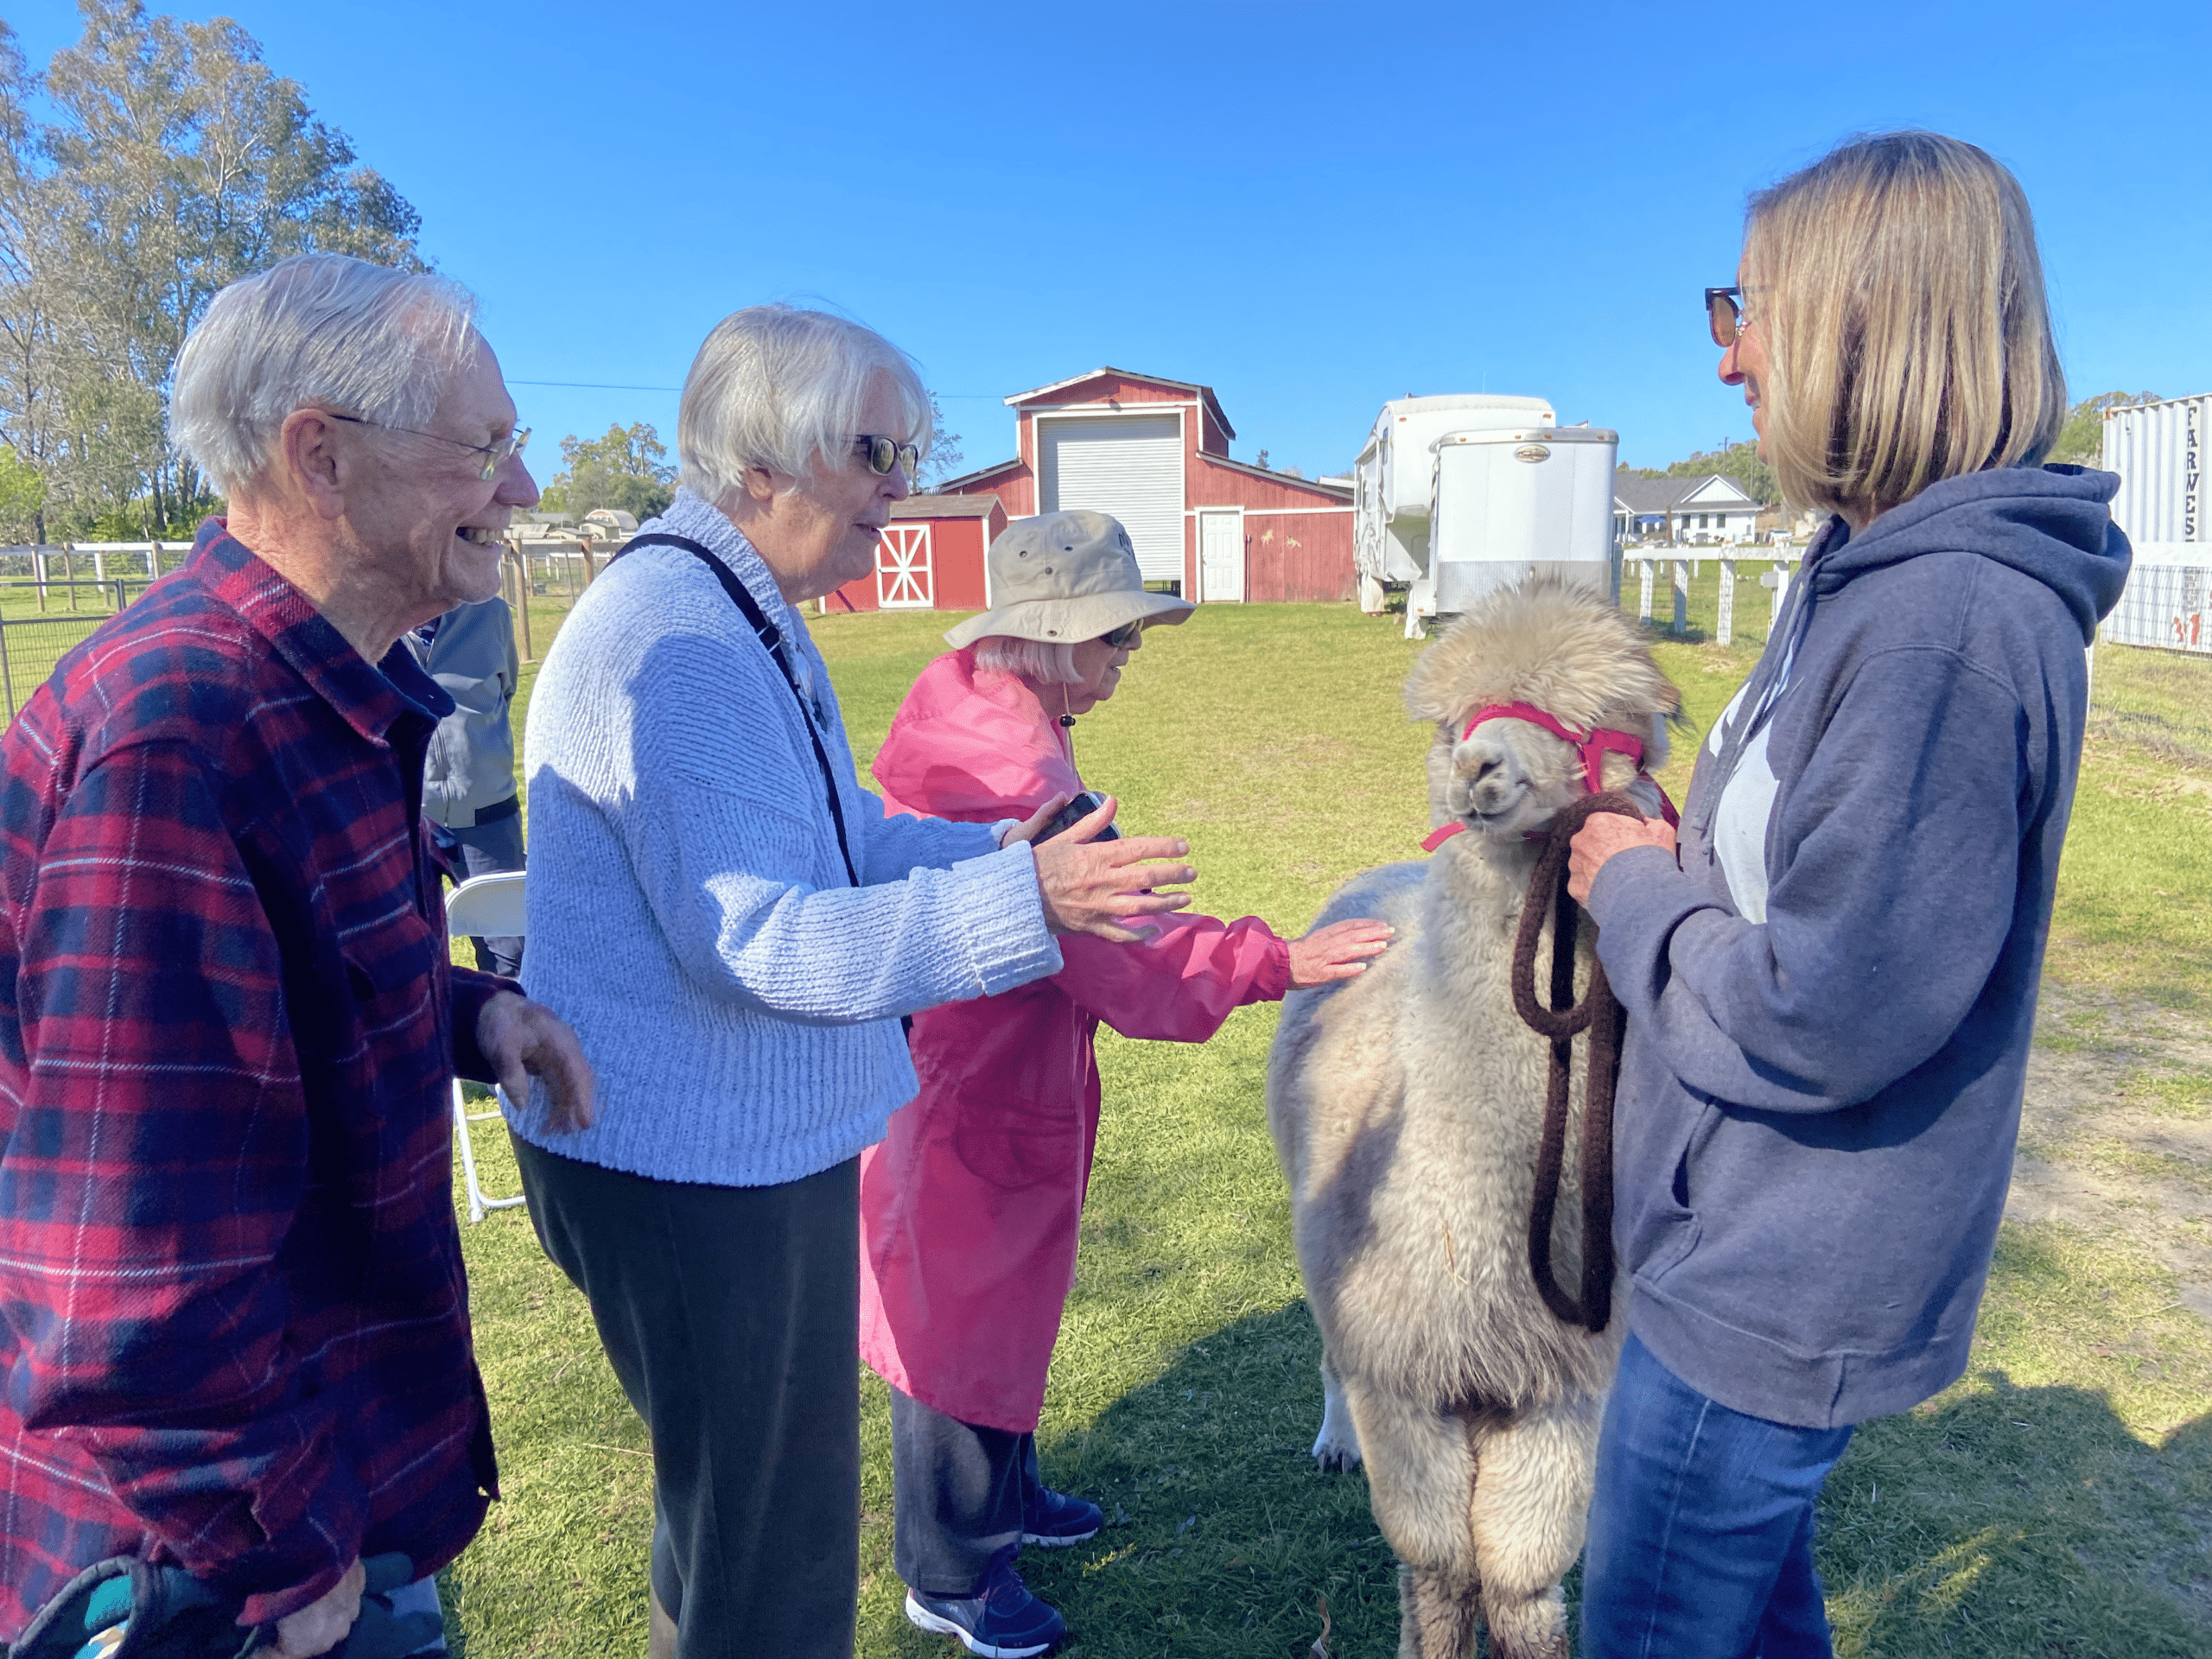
(38,574)
(519,567)
(1724,630)
(1681,597)
(1644,604)
(1781,593)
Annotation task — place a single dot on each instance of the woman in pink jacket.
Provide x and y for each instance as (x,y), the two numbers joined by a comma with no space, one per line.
(970,1204)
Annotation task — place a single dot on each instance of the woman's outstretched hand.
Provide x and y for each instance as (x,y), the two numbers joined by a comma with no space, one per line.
(1089,886)
(1337,951)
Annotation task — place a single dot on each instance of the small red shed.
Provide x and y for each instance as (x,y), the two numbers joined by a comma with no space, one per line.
(1155,454)
(931,557)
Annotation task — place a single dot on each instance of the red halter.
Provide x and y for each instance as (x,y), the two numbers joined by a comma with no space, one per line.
(1592,745)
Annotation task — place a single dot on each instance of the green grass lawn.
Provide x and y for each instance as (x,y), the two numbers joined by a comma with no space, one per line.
(2057,1502)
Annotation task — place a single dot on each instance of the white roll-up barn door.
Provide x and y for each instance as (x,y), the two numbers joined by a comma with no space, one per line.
(1130,466)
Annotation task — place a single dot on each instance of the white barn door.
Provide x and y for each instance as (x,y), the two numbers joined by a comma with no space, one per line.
(1221,556)
(904,578)
(1130,465)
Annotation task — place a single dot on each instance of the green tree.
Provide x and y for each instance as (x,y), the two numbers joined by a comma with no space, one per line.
(33,350)
(177,163)
(2082,439)
(627,469)
(22,494)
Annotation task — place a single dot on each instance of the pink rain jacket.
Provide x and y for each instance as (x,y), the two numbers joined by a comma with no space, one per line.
(969,1205)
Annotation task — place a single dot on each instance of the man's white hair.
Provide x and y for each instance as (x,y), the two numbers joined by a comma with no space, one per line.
(1042,662)
(316,331)
(776,387)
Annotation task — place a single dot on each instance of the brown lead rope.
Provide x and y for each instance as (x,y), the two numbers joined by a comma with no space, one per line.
(1600,1014)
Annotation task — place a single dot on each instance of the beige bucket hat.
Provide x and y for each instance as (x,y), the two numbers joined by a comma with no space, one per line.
(1063,577)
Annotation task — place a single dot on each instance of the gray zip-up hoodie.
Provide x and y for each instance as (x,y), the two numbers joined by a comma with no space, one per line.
(471,765)
(1830,1001)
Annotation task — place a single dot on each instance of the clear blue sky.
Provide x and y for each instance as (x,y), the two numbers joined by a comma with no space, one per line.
(1311,207)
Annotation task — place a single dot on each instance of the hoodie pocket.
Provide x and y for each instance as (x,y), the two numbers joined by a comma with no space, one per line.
(1668,1225)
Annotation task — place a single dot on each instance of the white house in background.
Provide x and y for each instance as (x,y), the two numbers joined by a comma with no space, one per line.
(1686,511)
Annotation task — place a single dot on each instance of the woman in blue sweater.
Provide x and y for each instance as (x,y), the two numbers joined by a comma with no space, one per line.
(1831,983)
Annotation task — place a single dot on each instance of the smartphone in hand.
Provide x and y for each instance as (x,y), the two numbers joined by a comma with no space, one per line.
(1076,811)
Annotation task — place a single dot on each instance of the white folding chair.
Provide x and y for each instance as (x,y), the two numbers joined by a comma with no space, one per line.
(484,906)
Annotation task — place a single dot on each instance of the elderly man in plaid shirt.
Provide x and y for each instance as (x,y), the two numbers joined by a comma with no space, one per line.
(233,1323)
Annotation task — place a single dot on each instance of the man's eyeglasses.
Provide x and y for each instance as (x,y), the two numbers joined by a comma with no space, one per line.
(1724,314)
(1125,637)
(884,453)
(496,454)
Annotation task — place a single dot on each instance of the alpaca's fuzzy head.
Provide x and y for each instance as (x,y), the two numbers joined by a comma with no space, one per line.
(1562,648)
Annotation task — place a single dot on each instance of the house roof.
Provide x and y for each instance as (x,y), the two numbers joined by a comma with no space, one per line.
(1212,402)
(945,506)
(1664,494)
(1333,487)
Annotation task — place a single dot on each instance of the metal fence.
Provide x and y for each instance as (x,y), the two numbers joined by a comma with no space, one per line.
(30,645)
(2167,604)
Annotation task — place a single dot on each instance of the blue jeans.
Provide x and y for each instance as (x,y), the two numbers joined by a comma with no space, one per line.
(1702,1527)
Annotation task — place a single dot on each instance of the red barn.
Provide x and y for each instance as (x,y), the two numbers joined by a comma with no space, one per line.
(1155,454)
(931,557)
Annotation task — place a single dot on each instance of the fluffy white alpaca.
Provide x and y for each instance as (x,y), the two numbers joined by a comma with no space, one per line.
(1407,1105)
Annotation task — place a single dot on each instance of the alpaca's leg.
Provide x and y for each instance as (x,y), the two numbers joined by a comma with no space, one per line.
(1437,1616)
(1532,1505)
(1337,1446)
(1421,1483)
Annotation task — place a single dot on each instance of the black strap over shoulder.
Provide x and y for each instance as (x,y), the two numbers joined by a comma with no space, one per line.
(771,638)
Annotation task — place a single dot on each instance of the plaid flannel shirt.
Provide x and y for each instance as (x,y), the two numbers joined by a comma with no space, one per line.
(233,1323)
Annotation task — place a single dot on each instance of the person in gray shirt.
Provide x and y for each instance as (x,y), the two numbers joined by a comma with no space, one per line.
(469,779)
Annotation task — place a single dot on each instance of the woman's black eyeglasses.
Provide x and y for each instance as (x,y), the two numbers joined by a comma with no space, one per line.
(884,453)
(1724,314)
(1125,637)
(495,454)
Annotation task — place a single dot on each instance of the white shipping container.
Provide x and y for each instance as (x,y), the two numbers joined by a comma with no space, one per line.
(2159,450)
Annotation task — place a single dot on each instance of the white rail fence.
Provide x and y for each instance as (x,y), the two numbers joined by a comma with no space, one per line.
(1782,563)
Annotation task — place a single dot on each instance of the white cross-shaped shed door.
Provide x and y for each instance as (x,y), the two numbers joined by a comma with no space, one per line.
(902,568)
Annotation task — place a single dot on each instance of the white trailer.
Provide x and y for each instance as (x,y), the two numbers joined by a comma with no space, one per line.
(1455,496)
(2159,451)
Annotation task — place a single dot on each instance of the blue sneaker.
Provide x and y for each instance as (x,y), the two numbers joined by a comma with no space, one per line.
(1002,1621)
(1054,1520)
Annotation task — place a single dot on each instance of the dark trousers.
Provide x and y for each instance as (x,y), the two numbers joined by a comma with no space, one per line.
(958,1496)
(731,1317)
(486,849)
(1701,1528)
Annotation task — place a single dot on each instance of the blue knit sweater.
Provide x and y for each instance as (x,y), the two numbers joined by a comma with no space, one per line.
(688,911)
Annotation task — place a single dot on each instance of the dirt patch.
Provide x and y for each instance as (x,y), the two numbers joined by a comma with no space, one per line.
(2115,1133)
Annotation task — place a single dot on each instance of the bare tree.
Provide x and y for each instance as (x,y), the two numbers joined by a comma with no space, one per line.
(944,460)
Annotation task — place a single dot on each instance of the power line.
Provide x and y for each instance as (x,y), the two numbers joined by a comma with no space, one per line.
(602,386)
(590,385)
